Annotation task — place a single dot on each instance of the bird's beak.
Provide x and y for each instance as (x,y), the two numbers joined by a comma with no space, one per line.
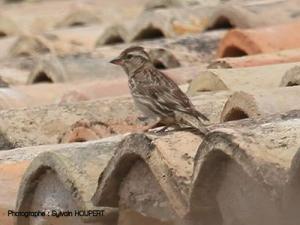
(117,61)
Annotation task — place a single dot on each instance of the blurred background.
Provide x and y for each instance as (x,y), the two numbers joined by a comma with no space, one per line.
(64,107)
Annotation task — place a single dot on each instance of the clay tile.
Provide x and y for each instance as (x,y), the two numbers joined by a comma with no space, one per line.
(240,42)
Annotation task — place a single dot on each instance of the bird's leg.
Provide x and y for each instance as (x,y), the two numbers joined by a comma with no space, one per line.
(151,125)
(161,130)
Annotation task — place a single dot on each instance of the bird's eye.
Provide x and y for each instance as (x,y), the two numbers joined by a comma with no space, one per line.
(128,56)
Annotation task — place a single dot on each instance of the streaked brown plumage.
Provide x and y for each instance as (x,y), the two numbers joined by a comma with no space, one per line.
(155,94)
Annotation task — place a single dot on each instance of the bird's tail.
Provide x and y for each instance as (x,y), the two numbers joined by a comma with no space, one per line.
(195,123)
(201,116)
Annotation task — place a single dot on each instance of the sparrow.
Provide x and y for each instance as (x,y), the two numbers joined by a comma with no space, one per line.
(157,95)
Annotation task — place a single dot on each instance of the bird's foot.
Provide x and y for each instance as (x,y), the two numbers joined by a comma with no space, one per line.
(161,130)
(165,129)
(149,127)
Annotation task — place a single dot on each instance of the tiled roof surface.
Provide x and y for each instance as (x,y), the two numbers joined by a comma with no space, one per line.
(72,139)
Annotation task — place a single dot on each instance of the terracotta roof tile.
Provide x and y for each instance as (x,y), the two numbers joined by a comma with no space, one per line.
(251,14)
(54,56)
(261,77)
(239,42)
(254,103)
(286,56)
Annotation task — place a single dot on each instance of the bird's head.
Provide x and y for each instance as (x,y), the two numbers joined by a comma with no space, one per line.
(132,59)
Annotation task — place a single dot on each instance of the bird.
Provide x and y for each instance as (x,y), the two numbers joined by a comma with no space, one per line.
(156,95)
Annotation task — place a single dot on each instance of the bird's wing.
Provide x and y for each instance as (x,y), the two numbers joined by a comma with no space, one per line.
(169,99)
